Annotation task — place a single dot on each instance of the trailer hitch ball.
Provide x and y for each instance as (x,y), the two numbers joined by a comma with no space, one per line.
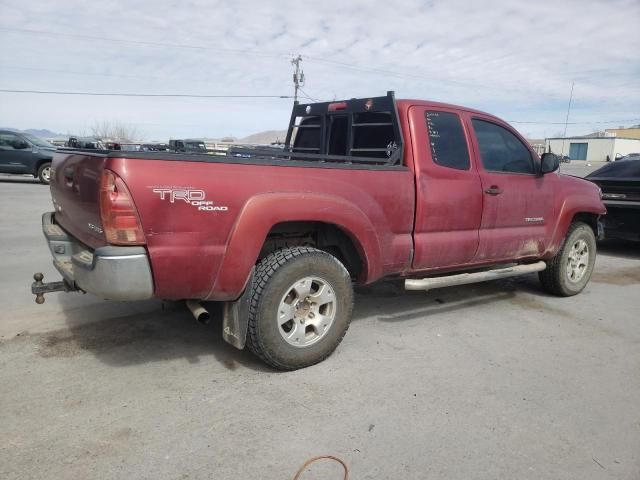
(38,277)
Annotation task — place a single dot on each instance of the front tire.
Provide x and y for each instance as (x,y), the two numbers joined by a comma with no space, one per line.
(44,173)
(570,270)
(300,308)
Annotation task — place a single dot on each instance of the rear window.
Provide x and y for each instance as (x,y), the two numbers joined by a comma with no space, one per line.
(372,135)
(308,135)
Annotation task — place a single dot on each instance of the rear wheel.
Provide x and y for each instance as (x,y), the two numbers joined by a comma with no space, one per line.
(44,173)
(300,308)
(570,270)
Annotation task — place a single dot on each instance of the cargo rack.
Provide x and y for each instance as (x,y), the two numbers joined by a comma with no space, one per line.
(316,116)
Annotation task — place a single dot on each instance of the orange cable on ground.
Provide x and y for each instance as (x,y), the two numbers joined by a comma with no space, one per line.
(320,457)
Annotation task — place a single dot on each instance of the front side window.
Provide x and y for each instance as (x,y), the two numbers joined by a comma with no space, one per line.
(501,150)
(447,140)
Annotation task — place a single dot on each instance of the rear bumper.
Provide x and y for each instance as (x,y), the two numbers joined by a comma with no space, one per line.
(116,273)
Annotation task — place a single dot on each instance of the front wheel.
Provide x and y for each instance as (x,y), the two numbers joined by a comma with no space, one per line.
(570,270)
(44,173)
(300,308)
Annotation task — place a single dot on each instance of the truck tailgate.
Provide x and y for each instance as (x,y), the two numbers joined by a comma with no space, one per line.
(75,191)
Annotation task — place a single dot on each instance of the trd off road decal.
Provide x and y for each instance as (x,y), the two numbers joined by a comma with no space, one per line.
(191,196)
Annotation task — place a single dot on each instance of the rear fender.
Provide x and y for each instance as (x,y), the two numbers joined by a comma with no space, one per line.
(264,211)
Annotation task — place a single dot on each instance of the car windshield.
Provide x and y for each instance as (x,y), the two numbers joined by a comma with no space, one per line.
(37,141)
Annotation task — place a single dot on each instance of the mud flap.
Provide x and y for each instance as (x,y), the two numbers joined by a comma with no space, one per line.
(235,319)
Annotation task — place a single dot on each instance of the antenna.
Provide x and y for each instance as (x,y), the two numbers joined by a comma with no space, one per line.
(566,121)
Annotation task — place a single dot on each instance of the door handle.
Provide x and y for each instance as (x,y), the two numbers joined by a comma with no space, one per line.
(493,190)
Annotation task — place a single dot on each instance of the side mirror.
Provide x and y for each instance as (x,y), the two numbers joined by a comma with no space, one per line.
(549,163)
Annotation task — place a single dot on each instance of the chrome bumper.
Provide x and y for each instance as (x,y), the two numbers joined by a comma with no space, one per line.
(116,273)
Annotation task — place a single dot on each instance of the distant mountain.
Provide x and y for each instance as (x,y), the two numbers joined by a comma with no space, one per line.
(38,132)
(44,133)
(265,138)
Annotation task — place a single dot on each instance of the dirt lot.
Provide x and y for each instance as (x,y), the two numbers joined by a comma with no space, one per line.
(489,381)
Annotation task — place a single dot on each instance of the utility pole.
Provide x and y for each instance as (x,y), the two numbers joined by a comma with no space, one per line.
(298,77)
(566,120)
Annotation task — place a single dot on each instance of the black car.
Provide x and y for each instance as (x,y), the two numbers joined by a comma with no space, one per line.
(620,184)
(23,153)
(191,145)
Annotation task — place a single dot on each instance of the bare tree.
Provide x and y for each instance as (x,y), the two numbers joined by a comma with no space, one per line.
(114,130)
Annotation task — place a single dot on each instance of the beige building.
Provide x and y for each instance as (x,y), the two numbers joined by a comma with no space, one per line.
(592,149)
(633,132)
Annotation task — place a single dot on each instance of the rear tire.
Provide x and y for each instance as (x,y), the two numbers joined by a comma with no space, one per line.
(570,270)
(44,173)
(300,307)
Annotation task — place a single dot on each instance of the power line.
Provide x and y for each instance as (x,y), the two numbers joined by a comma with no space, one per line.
(73,72)
(307,96)
(628,120)
(190,95)
(109,94)
(234,51)
(243,52)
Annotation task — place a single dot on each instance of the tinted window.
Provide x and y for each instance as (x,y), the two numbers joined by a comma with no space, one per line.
(501,150)
(9,140)
(447,141)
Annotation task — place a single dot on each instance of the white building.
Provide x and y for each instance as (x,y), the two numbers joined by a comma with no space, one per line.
(592,149)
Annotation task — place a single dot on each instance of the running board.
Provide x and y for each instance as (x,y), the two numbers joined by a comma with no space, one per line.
(464,278)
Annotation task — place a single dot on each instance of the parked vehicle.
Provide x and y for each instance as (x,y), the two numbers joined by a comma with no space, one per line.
(188,145)
(23,153)
(154,147)
(364,189)
(631,156)
(89,143)
(620,184)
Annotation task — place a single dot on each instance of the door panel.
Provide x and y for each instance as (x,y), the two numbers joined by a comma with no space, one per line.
(12,159)
(449,194)
(518,202)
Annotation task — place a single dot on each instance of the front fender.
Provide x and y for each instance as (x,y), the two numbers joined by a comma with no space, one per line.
(578,196)
(264,211)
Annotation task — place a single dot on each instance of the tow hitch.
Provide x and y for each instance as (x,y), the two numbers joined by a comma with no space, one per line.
(38,288)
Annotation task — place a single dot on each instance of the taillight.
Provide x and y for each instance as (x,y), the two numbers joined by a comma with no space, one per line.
(120,220)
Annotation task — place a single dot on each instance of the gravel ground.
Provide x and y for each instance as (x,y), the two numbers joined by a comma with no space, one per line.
(488,381)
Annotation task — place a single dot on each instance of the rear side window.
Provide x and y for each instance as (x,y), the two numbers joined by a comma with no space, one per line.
(447,140)
(501,150)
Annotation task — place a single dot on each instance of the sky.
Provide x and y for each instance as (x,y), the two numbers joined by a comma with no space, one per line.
(514,59)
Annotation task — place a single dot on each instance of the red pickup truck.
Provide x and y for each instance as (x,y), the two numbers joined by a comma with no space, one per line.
(363,189)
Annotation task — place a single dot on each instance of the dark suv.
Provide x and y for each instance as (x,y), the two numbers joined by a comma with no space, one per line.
(23,153)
